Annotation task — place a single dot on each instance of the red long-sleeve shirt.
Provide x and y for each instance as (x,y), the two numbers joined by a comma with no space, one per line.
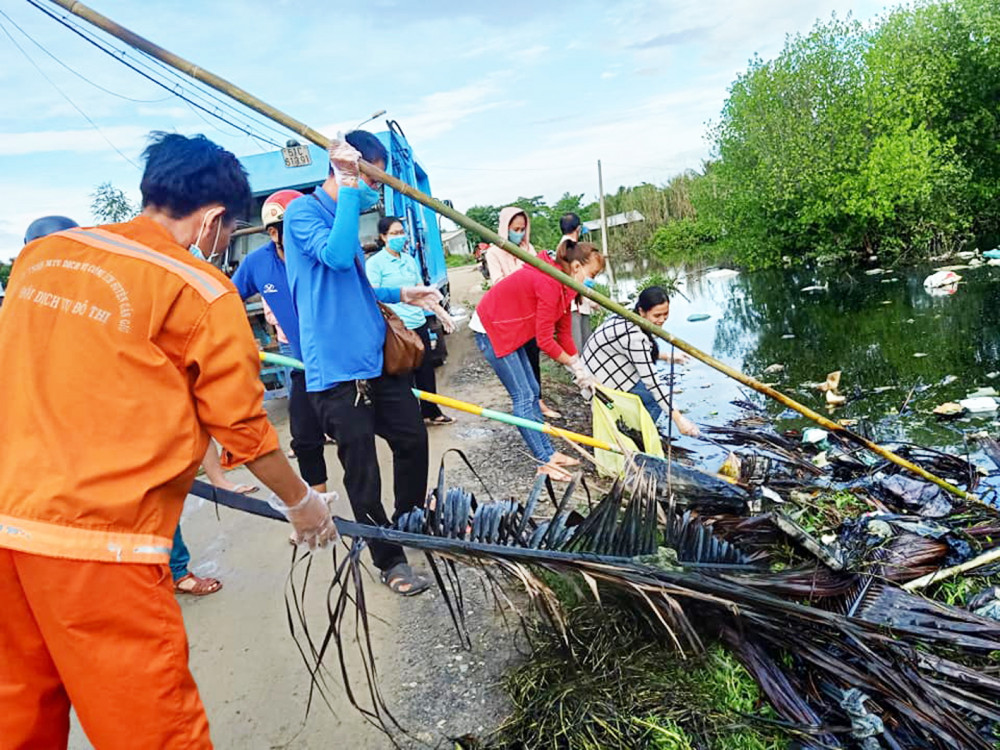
(528,305)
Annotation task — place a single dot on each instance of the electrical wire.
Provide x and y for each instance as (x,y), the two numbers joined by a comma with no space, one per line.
(121,57)
(78,74)
(192,87)
(65,95)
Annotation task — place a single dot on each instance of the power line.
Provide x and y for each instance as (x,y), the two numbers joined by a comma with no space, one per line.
(192,87)
(120,57)
(78,74)
(64,95)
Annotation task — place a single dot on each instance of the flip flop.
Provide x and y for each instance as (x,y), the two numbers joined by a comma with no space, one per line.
(555,473)
(246,489)
(443,419)
(400,575)
(551,414)
(199,586)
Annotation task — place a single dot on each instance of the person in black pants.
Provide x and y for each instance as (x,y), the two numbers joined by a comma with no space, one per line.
(342,334)
(263,272)
(394,266)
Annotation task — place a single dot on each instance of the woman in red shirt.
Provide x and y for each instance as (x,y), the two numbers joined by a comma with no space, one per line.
(528,305)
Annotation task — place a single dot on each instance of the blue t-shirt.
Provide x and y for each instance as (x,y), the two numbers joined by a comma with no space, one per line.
(386,269)
(341,329)
(263,272)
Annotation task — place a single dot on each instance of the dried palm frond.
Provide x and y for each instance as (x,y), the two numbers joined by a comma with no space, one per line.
(869,636)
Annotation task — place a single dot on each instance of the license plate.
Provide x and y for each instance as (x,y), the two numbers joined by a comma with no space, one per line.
(296,156)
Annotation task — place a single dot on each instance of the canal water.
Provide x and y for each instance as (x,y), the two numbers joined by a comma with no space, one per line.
(893,341)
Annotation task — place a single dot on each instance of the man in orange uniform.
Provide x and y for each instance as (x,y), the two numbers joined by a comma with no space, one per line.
(122,353)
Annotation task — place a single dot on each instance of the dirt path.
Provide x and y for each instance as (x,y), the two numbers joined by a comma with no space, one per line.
(251,676)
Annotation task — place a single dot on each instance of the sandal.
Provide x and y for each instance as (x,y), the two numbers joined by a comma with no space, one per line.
(551,413)
(555,473)
(442,419)
(196,586)
(403,580)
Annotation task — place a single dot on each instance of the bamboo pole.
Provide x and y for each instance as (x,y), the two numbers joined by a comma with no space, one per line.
(986,558)
(251,101)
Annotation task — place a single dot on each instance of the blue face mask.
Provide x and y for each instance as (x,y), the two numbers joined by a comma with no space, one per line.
(369,196)
(396,244)
(196,252)
(515,237)
(589,283)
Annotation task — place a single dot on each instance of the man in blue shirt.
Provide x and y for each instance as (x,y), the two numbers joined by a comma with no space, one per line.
(342,334)
(263,272)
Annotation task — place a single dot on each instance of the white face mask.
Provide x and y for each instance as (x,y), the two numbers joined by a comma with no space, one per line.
(195,248)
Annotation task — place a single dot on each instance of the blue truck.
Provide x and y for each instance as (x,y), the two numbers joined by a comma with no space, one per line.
(305,167)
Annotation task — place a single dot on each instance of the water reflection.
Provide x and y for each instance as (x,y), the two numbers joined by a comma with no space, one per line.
(869,326)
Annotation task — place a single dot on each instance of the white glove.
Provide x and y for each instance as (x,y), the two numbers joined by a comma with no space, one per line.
(421,296)
(344,159)
(312,518)
(446,320)
(582,378)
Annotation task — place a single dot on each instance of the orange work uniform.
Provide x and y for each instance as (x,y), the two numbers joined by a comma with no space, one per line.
(120,353)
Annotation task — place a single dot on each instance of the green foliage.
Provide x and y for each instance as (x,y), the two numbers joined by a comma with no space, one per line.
(881,139)
(624,687)
(661,279)
(110,205)
(5,269)
(545,232)
(684,240)
(455,260)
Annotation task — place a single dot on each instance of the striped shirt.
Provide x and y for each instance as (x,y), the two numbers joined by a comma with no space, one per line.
(620,354)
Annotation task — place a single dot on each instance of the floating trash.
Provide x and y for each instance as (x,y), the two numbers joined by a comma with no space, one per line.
(875,271)
(788,336)
(949,409)
(979,405)
(942,282)
(816,288)
(919,355)
(698,317)
(774,369)
(984,391)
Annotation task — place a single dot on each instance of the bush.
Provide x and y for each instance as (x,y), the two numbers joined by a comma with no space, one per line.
(684,240)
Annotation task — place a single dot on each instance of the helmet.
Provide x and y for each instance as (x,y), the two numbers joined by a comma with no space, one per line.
(273,210)
(47,225)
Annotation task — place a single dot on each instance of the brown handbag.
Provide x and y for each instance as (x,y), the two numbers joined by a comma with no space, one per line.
(403,350)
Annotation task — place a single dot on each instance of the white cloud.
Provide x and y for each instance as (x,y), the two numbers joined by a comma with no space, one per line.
(128,138)
(652,141)
(441,111)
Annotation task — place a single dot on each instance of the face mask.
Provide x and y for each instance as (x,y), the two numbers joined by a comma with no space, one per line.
(589,283)
(369,196)
(396,244)
(195,248)
(515,237)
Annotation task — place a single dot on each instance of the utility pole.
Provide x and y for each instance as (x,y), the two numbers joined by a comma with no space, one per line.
(604,228)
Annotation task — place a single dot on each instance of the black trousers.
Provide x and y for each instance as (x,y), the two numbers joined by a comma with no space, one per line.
(392,413)
(534,354)
(424,377)
(308,437)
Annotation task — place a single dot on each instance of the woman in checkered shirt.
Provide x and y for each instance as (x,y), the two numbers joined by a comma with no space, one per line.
(623,356)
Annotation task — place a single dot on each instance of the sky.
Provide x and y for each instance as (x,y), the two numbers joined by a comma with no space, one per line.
(498,100)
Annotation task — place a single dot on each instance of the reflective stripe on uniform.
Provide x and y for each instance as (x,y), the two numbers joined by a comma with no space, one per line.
(206,285)
(57,540)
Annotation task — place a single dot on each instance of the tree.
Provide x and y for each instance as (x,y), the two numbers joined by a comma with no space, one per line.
(110,205)
(863,139)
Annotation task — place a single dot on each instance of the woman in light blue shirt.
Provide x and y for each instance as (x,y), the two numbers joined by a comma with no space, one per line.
(393,266)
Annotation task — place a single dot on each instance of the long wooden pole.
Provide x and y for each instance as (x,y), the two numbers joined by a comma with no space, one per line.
(251,101)
(604,226)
